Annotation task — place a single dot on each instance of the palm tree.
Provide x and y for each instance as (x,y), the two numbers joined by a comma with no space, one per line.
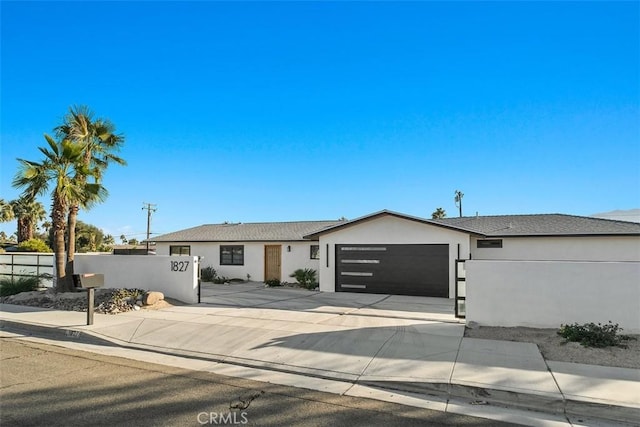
(29,212)
(6,211)
(438,213)
(62,164)
(100,143)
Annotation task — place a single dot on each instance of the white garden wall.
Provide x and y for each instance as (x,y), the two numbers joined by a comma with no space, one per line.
(174,276)
(546,294)
(298,257)
(389,230)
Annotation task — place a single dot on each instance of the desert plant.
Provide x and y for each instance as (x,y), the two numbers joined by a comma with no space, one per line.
(306,277)
(273,282)
(594,335)
(208,274)
(10,286)
(219,280)
(34,245)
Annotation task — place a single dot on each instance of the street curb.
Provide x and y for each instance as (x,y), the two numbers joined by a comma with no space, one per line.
(505,398)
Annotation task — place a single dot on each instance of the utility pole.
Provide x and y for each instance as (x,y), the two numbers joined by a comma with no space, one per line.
(458,199)
(150,207)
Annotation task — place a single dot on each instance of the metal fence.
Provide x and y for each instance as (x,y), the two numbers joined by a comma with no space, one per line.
(28,264)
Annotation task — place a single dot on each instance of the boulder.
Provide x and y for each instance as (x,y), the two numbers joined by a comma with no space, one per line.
(152,297)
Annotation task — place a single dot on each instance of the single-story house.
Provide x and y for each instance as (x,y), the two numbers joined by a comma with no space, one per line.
(390,252)
(503,270)
(260,251)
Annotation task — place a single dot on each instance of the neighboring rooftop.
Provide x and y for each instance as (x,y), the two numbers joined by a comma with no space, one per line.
(631,215)
(541,225)
(247,232)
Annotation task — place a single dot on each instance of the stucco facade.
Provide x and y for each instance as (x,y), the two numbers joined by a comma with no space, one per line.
(389,230)
(561,248)
(293,255)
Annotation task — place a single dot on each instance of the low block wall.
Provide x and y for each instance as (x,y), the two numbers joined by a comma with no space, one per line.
(545,294)
(174,276)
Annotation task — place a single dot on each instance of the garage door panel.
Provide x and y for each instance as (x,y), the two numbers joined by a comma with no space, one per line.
(395,269)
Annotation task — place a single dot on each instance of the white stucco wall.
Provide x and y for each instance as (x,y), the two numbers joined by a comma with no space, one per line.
(299,257)
(546,294)
(580,248)
(148,272)
(389,230)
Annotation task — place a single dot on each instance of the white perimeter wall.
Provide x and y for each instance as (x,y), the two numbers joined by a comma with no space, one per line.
(546,294)
(579,248)
(299,257)
(389,230)
(148,272)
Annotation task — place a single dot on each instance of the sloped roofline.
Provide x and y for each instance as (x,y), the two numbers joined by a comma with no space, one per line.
(385,212)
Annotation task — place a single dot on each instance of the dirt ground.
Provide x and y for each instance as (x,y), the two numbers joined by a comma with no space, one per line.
(553,347)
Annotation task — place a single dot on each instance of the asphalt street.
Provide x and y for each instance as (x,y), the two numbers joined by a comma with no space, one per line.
(48,385)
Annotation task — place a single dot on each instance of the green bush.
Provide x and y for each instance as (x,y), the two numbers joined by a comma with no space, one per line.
(9,286)
(208,274)
(273,282)
(34,245)
(306,277)
(594,335)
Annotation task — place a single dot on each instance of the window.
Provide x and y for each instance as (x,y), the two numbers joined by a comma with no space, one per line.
(315,252)
(180,250)
(490,243)
(232,255)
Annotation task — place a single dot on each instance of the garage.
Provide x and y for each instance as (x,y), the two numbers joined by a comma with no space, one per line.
(399,269)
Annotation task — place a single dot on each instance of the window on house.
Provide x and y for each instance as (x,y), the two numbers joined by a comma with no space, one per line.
(232,255)
(179,250)
(315,252)
(490,243)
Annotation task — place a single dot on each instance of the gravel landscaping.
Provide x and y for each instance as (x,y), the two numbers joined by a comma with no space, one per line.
(554,347)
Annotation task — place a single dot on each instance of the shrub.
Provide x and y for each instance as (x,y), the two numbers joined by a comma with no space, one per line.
(306,277)
(219,280)
(208,274)
(34,245)
(273,282)
(9,286)
(594,335)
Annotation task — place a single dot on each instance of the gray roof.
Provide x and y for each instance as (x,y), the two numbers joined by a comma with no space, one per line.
(541,225)
(246,232)
(513,225)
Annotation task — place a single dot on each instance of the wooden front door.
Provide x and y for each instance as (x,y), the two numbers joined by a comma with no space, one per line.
(272,257)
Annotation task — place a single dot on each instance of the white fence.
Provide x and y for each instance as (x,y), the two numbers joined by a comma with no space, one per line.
(545,294)
(28,264)
(174,276)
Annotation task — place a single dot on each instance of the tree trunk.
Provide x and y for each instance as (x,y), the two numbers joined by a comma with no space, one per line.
(58,218)
(71,243)
(24,227)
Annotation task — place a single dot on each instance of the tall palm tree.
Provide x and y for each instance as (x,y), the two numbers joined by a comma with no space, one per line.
(29,212)
(100,144)
(63,162)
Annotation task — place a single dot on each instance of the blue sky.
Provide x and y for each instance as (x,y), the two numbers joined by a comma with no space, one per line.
(300,111)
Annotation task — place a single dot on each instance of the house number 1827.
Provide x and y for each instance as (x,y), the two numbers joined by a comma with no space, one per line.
(179,265)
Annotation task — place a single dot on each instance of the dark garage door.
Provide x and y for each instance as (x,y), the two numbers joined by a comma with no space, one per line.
(393,269)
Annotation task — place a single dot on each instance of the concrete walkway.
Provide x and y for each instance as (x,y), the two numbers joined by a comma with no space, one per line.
(405,344)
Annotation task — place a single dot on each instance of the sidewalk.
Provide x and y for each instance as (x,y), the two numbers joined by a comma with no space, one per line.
(355,345)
